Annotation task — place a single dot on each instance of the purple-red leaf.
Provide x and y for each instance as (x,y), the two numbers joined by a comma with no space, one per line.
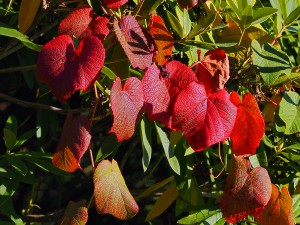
(213,70)
(136,42)
(66,69)
(111,193)
(156,95)
(114,4)
(74,142)
(76,214)
(163,40)
(79,24)
(279,209)
(126,104)
(205,120)
(246,193)
(249,125)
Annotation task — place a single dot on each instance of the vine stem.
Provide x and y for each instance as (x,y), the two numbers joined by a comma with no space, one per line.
(40,106)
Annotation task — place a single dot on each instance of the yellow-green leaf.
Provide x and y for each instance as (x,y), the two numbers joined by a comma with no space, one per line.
(156,186)
(76,214)
(27,13)
(164,201)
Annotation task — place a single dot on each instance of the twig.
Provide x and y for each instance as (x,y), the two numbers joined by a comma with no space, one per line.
(18,69)
(40,106)
(55,216)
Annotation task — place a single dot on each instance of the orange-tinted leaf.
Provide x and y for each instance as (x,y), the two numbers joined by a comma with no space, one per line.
(246,193)
(163,39)
(111,193)
(213,70)
(74,142)
(126,104)
(279,209)
(76,214)
(28,10)
(249,125)
(136,42)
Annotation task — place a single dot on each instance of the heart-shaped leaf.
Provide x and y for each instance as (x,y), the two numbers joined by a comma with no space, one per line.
(126,104)
(205,120)
(136,42)
(246,193)
(279,209)
(76,214)
(111,193)
(156,95)
(163,39)
(66,69)
(79,24)
(74,142)
(114,4)
(213,70)
(249,127)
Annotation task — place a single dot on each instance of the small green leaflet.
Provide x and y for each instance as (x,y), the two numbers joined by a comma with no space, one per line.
(271,62)
(145,130)
(203,217)
(289,112)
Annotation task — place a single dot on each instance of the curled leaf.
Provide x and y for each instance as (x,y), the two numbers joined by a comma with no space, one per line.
(74,142)
(246,192)
(79,24)
(66,69)
(136,42)
(249,126)
(111,193)
(76,214)
(163,39)
(126,104)
(279,209)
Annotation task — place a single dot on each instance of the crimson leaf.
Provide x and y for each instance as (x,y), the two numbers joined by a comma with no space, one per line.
(136,42)
(66,69)
(126,104)
(114,4)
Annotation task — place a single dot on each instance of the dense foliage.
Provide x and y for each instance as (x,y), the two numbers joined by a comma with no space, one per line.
(150,112)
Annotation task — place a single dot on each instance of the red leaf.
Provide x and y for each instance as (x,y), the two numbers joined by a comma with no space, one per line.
(156,95)
(114,4)
(213,70)
(204,120)
(136,42)
(279,209)
(249,125)
(188,4)
(111,193)
(66,69)
(126,104)
(246,193)
(74,142)
(76,214)
(79,24)
(163,39)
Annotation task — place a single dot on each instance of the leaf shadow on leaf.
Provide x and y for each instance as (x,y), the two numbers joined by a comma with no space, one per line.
(140,43)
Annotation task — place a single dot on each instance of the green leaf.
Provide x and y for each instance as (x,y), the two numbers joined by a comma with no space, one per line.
(156,186)
(235,8)
(17,164)
(146,138)
(206,45)
(284,78)
(109,73)
(293,16)
(8,210)
(12,124)
(292,156)
(9,138)
(175,24)
(169,152)
(289,112)
(7,189)
(145,8)
(271,62)
(294,146)
(25,137)
(285,7)
(206,216)
(10,32)
(109,145)
(262,14)
(247,16)
(187,24)
(296,205)
(259,159)
(164,201)
(201,26)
